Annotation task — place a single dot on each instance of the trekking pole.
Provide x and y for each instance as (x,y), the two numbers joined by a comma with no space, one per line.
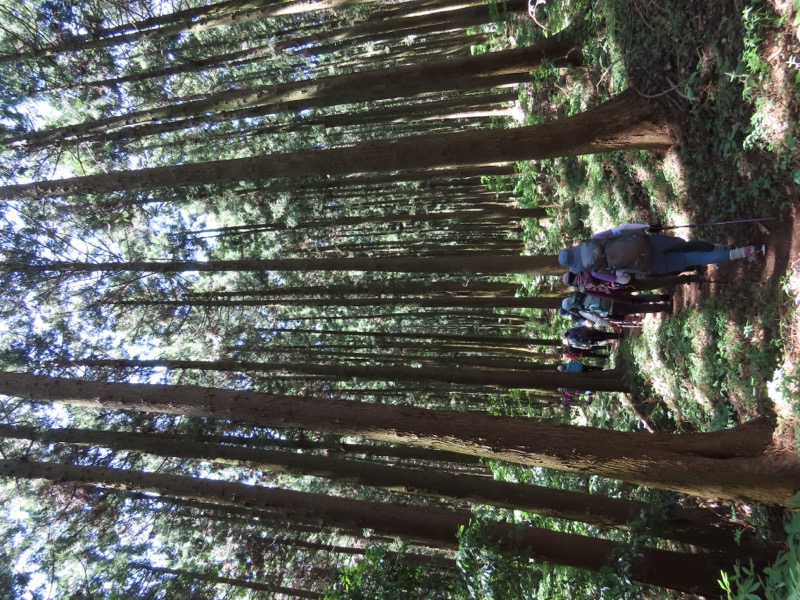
(656,227)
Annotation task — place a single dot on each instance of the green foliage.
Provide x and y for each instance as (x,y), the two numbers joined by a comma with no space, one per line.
(779,581)
(386,575)
(490,574)
(710,363)
(716,350)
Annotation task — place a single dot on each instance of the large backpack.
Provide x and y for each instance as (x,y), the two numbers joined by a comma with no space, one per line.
(627,252)
(579,301)
(574,303)
(580,337)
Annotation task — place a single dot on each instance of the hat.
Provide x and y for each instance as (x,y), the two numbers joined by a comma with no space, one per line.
(568,278)
(571,259)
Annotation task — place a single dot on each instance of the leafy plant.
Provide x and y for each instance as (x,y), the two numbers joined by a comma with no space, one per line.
(387,575)
(779,581)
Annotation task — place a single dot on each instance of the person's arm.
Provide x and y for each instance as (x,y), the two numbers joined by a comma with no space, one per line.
(622,278)
(595,318)
(605,276)
(619,277)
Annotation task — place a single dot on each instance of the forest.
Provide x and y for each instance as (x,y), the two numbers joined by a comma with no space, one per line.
(282,291)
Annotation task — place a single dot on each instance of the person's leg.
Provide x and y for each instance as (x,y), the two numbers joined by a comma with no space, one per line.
(665,246)
(650,283)
(675,262)
(673,255)
(668,243)
(700,246)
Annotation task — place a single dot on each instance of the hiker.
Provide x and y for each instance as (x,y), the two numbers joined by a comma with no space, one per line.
(601,311)
(619,254)
(630,292)
(589,284)
(573,353)
(575,366)
(588,337)
(570,395)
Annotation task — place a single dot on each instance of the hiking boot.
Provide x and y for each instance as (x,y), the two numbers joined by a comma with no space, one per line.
(749,252)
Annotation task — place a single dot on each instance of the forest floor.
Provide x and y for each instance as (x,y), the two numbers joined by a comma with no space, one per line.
(727,76)
(759,154)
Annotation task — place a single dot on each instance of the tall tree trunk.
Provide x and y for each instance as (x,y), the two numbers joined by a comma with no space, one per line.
(436,527)
(242,583)
(391,264)
(606,381)
(626,122)
(499,214)
(739,463)
(422,301)
(695,526)
(474,72)
(231,12)
(520,343)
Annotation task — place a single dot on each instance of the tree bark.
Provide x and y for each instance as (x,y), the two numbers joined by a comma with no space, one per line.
(388,264)
(627,122)
(419,301)
(739,463)
(605,381)
(694,526)
(230,12)
(473,72)
(242,583)
(436,527)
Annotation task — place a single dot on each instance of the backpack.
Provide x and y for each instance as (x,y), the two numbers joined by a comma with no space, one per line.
(580,337)
(574,303)
(628,252)
(579,301)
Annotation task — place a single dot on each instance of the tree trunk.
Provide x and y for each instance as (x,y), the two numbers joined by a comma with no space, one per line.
(626,122)
(232,12)
(605,381)
(436,527)
(474,72)
(694,526)
(739,463)
(420,301)
(387,264)
(242,583)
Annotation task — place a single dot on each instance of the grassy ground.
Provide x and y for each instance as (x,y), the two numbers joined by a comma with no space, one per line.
(727,75)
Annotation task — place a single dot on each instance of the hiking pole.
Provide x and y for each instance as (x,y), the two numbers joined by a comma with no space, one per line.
(656,227)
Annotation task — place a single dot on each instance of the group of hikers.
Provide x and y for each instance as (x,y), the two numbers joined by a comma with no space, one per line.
(607,269)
